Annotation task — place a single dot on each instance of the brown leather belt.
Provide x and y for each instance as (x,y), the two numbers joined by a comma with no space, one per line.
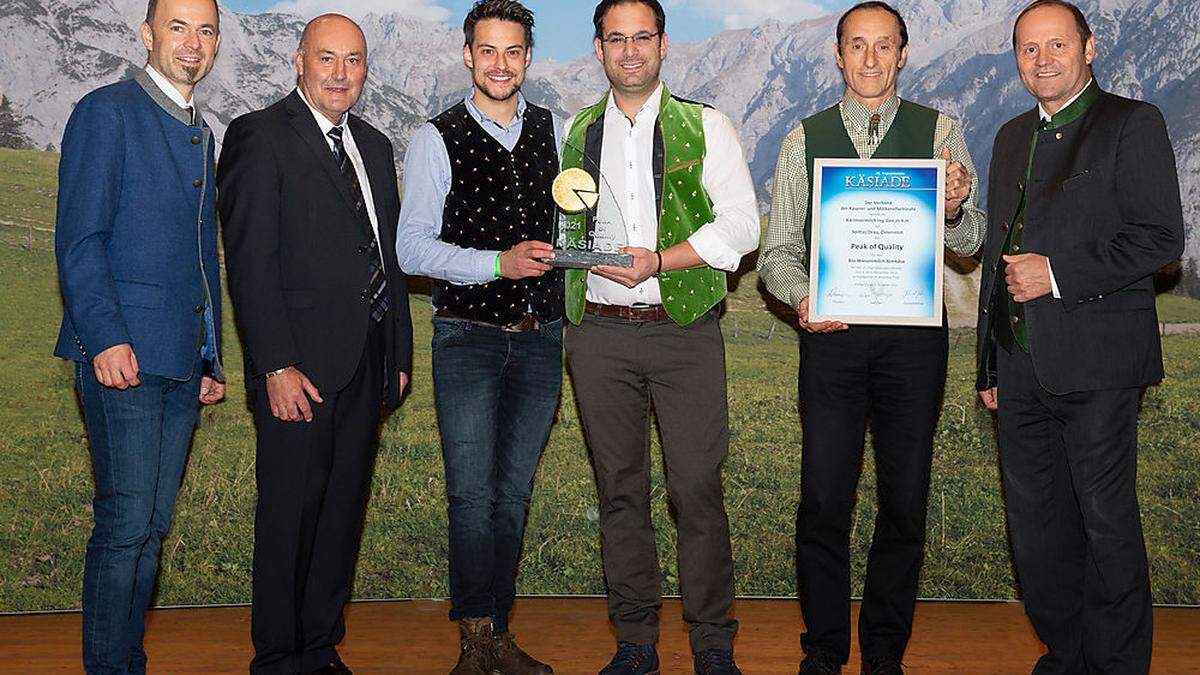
(649,313)
(527,323)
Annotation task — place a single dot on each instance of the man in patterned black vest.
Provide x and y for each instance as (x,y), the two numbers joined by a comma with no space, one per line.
(476,216)
(893,375)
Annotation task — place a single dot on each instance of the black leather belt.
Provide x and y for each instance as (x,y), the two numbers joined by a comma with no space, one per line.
(527,323)
(648,313)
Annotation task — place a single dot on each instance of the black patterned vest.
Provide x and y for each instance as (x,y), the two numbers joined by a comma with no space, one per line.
(498,199)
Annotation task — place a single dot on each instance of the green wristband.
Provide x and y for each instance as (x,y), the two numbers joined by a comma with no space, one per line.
(496,269)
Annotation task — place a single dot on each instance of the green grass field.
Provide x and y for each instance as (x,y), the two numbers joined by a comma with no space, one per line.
(45,480)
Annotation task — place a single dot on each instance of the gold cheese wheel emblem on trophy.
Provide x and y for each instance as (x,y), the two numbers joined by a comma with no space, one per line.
(575,191)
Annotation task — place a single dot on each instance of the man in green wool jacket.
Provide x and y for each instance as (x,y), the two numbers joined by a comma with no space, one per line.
(650,334)
(893,375)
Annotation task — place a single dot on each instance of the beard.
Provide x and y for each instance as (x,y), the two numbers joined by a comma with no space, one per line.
(637,81)
(190,74)
(499,92)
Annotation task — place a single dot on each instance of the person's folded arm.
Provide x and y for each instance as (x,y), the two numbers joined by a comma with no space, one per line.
(89,187)
(1151,234)
(427,177)
(781,261)
(734,231)
(249,185)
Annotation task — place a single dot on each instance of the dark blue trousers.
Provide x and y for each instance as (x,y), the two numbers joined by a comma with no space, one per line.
(139,442)
(496,393)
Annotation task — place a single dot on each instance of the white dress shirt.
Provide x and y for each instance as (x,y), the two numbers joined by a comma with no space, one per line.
(626,163)
(169,89)
(355,160)
(1046,116)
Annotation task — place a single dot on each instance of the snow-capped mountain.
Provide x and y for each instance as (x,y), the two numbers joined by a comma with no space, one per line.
(766,78)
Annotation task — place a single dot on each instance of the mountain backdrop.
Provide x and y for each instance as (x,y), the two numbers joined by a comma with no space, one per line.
(766,78)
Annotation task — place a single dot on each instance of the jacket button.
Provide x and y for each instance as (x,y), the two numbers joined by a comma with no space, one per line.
(1004,226)
(1058,136)
(199,309)
(363,295)
(985,310)
(1016,319)
(195,140)
(197,183)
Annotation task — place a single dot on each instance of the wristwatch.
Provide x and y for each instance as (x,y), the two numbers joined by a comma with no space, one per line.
(273,373)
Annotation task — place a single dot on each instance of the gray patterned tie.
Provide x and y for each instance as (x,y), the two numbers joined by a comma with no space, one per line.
(377,287)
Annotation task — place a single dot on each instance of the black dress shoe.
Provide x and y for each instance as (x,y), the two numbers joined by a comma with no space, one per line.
(886,665)
(820,663)
(716,662)
(332,668)
(633,659)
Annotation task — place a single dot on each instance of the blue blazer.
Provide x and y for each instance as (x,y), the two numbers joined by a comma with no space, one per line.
(136,233)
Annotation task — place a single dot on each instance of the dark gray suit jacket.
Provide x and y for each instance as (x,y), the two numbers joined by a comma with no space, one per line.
(1104,207)
(297,253)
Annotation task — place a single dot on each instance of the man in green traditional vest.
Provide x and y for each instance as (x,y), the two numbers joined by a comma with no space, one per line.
(890,374)
(1085,208)
(649,335)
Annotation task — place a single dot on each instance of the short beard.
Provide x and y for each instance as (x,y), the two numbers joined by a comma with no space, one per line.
(482,85)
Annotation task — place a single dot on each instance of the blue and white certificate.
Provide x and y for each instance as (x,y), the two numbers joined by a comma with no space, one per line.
(877,238)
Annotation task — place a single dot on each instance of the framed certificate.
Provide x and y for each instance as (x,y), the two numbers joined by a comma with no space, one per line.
(877,241)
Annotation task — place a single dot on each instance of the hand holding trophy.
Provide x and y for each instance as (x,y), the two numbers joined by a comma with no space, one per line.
(591,228)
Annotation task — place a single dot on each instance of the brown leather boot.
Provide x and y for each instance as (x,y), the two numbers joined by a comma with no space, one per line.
(478,650)
(512,660)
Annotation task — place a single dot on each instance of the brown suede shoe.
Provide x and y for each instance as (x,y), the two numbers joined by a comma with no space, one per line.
(512,660)
(478,650)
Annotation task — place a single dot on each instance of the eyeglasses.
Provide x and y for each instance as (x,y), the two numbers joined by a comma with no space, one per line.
(639,39)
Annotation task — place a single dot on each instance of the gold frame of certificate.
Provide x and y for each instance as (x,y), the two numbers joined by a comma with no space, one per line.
(878,236)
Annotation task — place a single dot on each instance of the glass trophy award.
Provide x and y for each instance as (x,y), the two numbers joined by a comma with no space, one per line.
(591,228)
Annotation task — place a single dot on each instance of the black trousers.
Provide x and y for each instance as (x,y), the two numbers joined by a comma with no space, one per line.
(313,482)
(895,376)
(1069,465)
(619,369)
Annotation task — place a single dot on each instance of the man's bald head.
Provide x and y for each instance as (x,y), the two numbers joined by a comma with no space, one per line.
(334,22)
(331,65)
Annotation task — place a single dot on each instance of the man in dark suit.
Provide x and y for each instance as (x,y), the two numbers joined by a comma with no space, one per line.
(136,244)
(309,205)
(1084,204)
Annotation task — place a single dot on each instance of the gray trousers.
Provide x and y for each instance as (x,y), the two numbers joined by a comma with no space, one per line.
(619,369)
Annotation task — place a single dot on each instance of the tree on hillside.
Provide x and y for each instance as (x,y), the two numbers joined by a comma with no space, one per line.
(11,135)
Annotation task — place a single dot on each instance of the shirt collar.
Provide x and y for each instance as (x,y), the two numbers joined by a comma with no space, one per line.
(167,88)
(1075,106)
(322,121)
(857,116)
(481,117)
(651,107)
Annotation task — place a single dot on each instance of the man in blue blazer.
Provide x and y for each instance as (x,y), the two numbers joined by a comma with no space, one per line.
(136,244)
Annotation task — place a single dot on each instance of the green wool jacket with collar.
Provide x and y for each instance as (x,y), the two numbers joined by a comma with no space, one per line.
(683,204)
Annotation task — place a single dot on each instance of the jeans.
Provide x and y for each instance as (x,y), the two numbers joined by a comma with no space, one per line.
(139,442)
(496,394)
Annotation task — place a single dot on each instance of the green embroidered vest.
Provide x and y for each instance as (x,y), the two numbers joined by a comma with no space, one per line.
(825,136)
(683,204)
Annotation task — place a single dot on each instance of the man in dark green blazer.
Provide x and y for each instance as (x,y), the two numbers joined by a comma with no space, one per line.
(1084,204)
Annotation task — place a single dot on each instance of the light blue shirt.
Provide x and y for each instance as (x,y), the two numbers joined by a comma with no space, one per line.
(427,180)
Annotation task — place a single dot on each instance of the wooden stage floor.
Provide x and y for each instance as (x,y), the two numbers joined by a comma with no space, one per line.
(573,635)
